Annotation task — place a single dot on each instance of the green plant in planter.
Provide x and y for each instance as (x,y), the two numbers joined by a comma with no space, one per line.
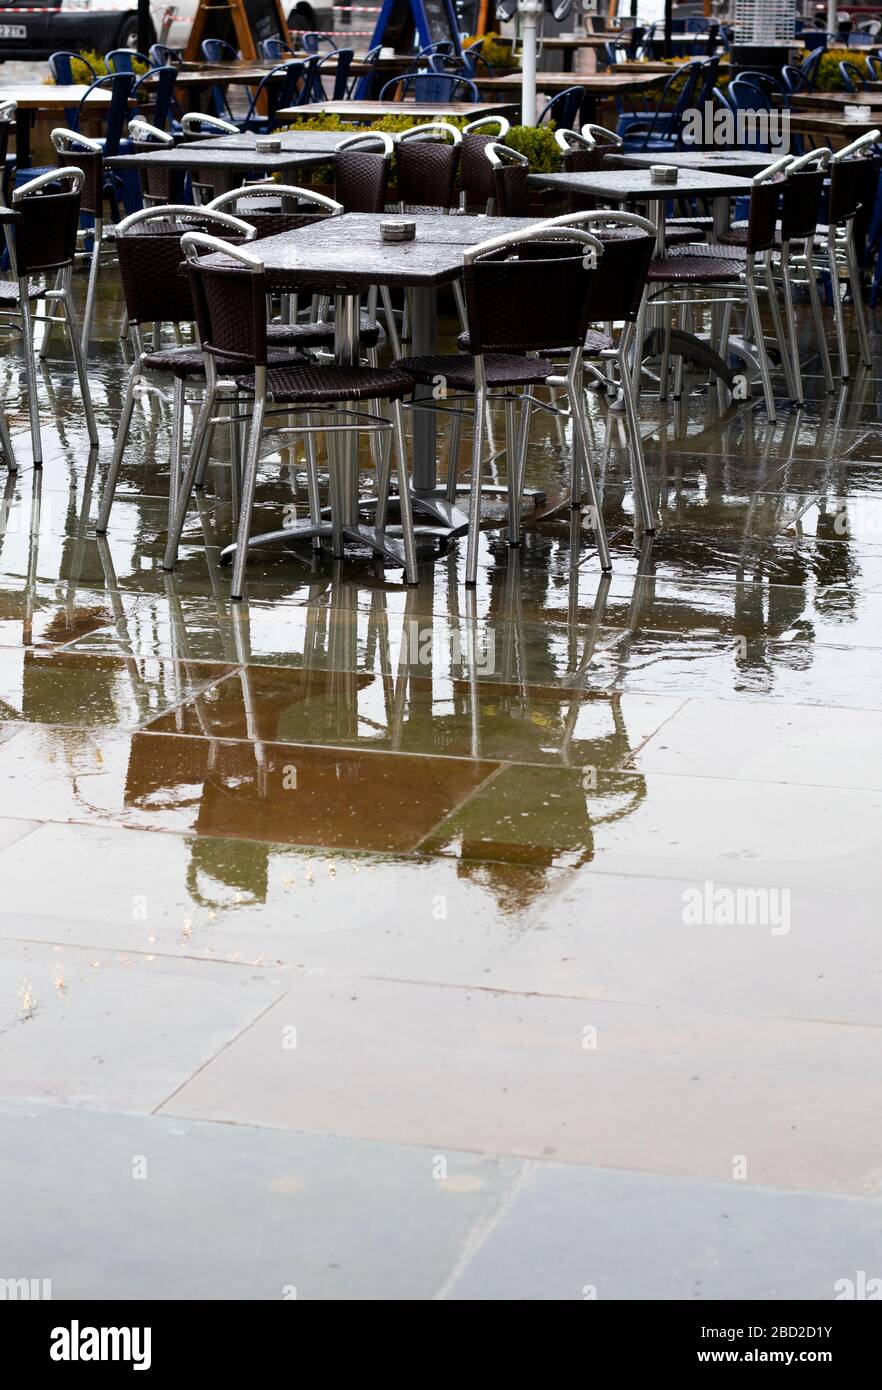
(828,78)
(495,51)
(538,144)
(81,74)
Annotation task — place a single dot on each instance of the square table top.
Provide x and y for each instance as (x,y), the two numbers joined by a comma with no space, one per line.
(835,101)
(373,110)
(745,163)
(828,125)
(635,185)
(598,83)
(302,150)
(346,251)
(35,96)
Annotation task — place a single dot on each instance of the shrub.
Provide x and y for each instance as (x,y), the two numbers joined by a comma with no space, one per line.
(828,78)
(497,52)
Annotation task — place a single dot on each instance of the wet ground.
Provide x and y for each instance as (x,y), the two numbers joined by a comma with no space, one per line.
(375,942)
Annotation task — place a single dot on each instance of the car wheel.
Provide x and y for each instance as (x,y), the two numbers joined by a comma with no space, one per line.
(127,34)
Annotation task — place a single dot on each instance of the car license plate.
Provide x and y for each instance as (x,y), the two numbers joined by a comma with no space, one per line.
(13,31)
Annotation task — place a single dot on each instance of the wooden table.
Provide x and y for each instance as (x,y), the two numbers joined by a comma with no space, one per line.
(343,256)
(835,102)
(595,86)
(571,44)
(233,158)
(825,126)
(375,110)
(34,97)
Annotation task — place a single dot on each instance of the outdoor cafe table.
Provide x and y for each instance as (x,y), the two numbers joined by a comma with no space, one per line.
(374,110)
(825,126)
(626,186)
(623,186)
(234,158)
(745,163)
(33,97)
(835,103)
(343,256)
(596,86)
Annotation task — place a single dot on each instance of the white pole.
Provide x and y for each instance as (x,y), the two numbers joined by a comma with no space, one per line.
(831,16)
(529,11)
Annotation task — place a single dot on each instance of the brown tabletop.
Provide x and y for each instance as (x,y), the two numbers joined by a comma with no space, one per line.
(33,97)
(635,185)
(835,101)
(374,110)
(824,125)
(599,83)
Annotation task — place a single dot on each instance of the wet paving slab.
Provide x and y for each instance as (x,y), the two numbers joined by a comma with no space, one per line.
(528,869)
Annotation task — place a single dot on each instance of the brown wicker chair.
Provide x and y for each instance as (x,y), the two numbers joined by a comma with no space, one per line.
(362,167)
(75,151)
(525,294)
(476,186)
(156,291)
(41,238)
(427,165)
(230,296)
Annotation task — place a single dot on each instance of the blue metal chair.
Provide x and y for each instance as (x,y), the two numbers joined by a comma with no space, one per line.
(663,129)
(312,41)
(564,109)
(363,87)
(272,50)
(874,68)
(795,79)
(277,95)
(161,56)
(124,59)
(852,78)
(434,87)
(342,57)
(121,85)
(158,94)
(61,71)
(219,51)
(809,66)
(473,57)
(817,39)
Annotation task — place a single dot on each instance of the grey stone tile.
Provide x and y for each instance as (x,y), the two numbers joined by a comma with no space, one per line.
(129,1207)
(577,1233)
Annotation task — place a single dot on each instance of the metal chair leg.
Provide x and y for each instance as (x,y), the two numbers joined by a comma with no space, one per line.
(6,444)
(453,450)
(312,488)
(635,439)
(512,470)
(249,485)
(92,289)
(199,444)
(817,316)
(27,331)
(77,349)
(177,449)
(122,434)
(857,295)
(391,325)
(49,326)
(475,489)
(757,326)
(406,509)
(792,345)
(838,314)
(577,405)
(780,336)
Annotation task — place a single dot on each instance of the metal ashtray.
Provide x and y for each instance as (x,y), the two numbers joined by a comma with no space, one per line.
(663,173)
(400,230)
(268,144)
